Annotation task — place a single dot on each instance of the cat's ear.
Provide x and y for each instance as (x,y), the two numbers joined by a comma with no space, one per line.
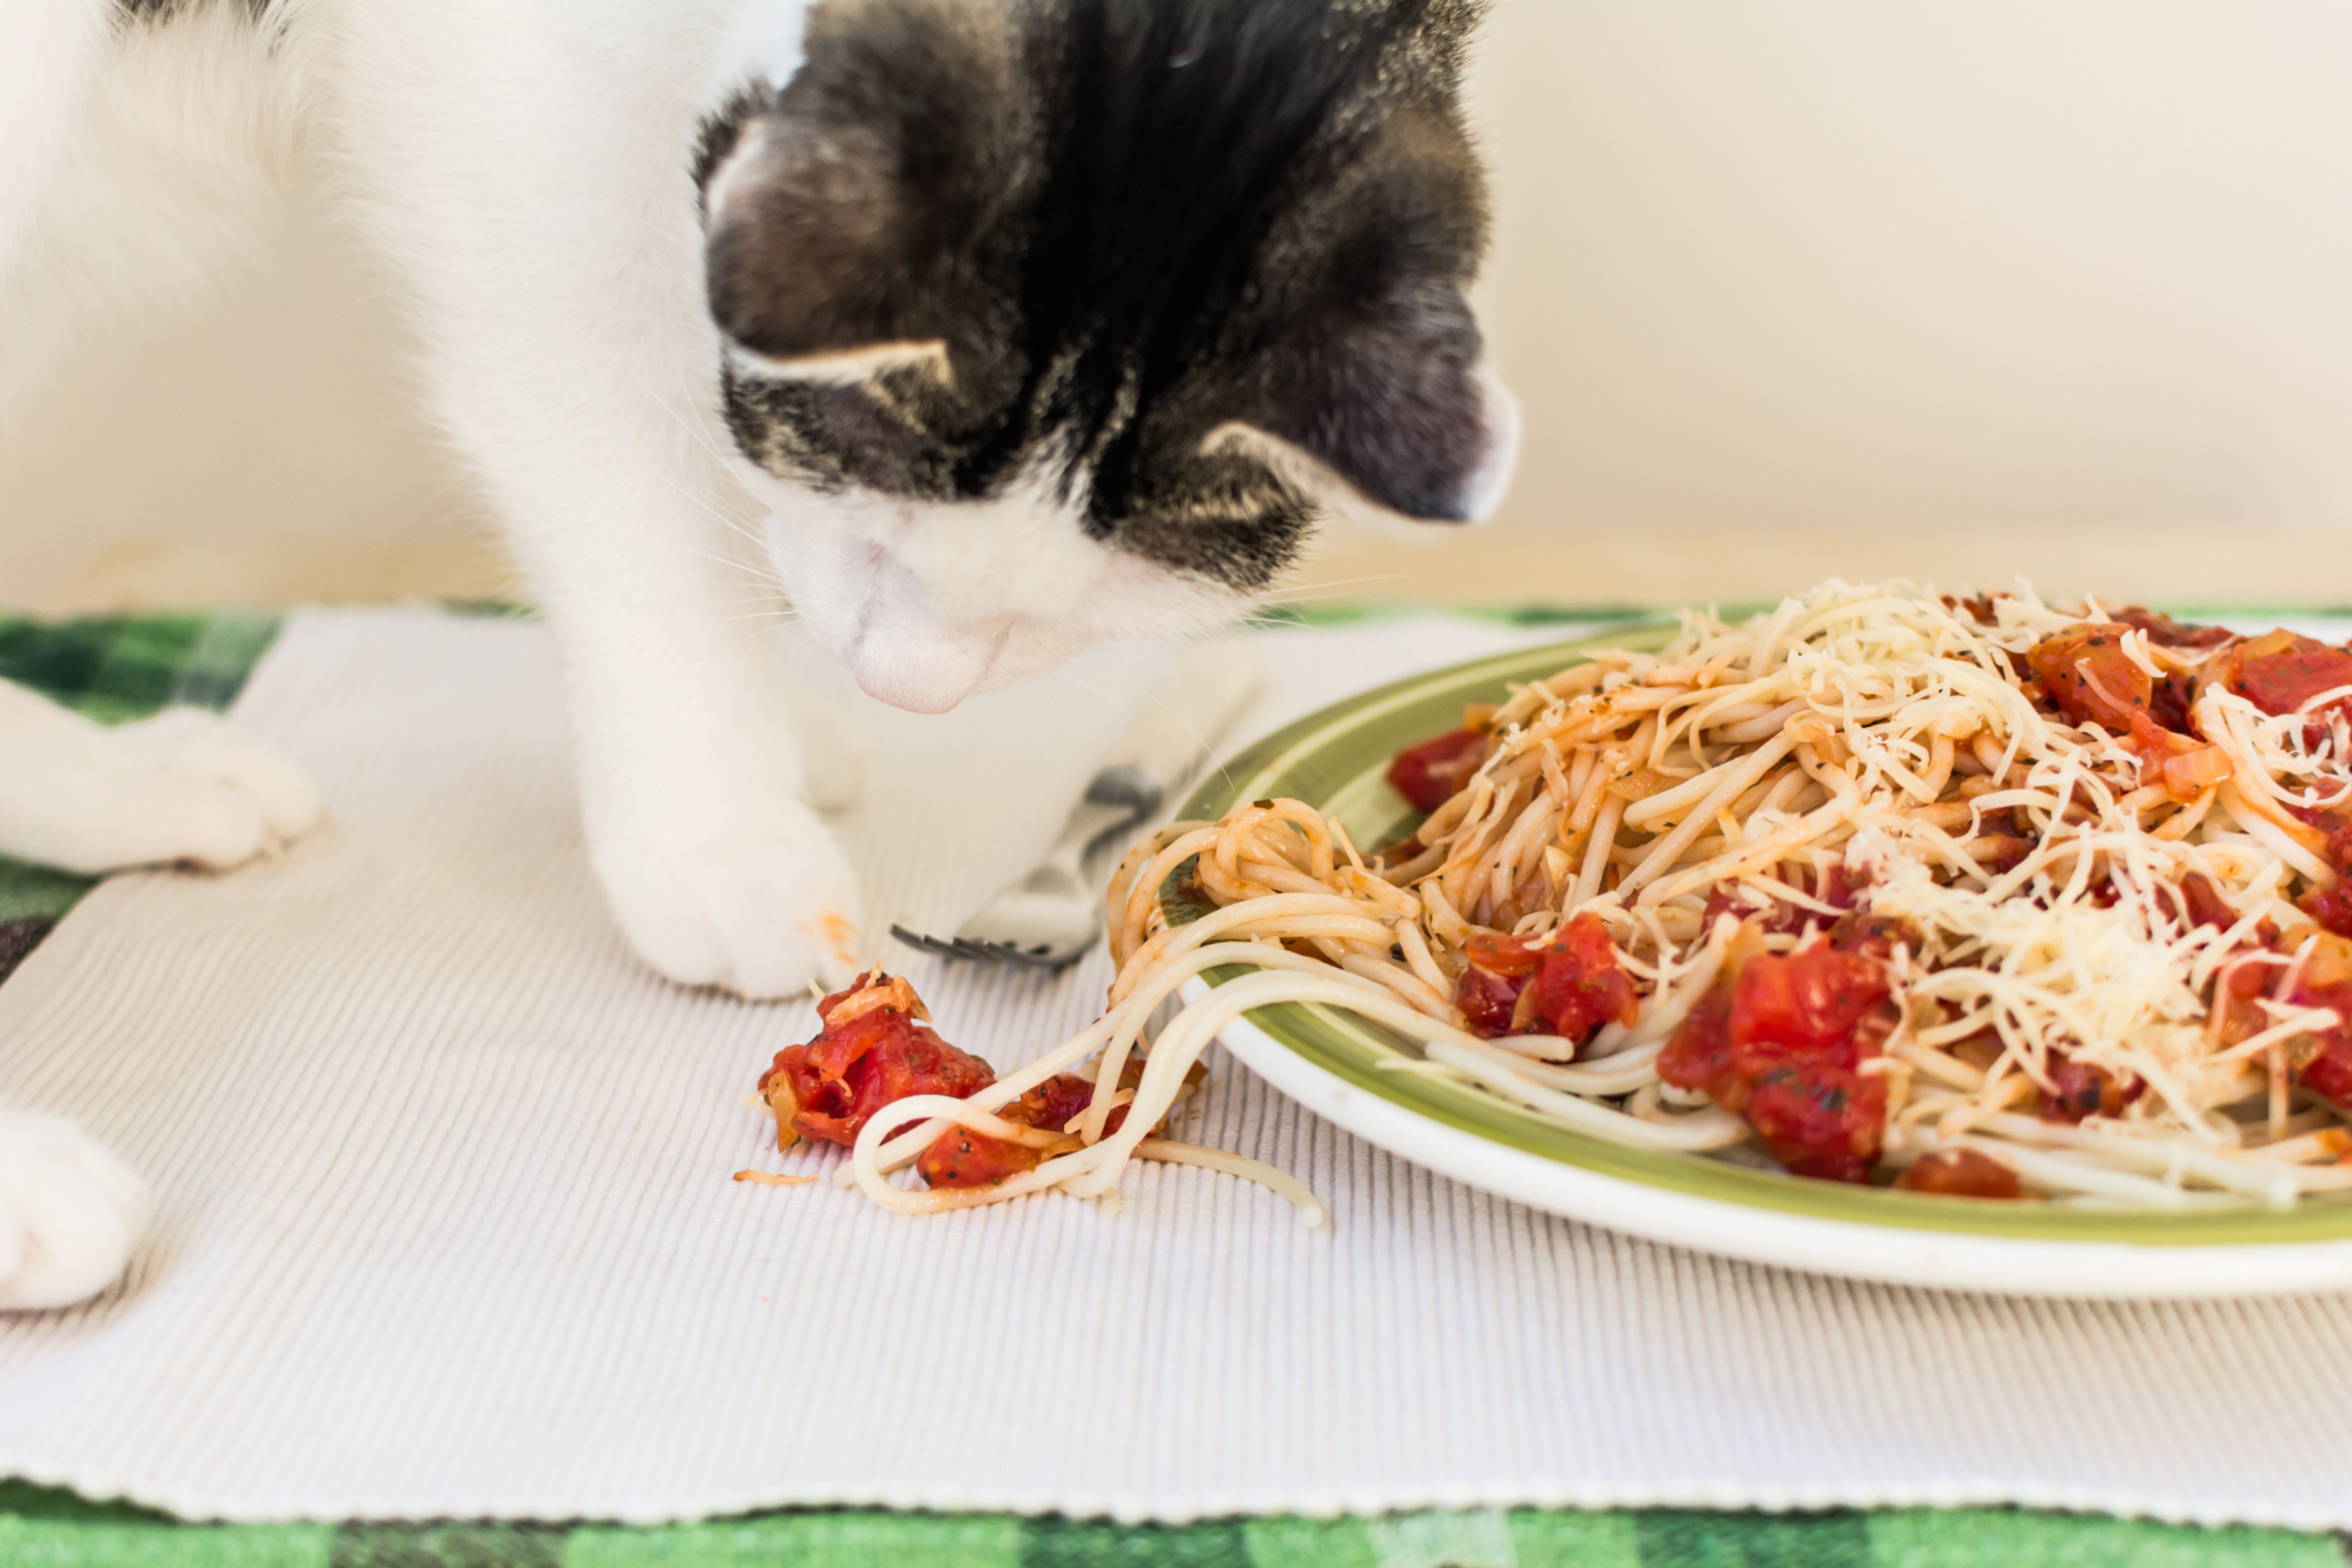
(1378,422)
(1376,370)
(1439,451)
(837,217)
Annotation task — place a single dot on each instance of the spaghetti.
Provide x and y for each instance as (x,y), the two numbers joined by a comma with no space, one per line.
(1986,897)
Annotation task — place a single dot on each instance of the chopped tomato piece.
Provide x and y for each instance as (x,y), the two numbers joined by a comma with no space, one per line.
(960,1157)
(1058,1101)
(2082,1090)
(1698,1054)
(1825,1121)
(1961,1173)
(1807,1005)
(2090,678)
(2278,673)
(2204,904)
(1487,1000)
(2165,632)
(1512,957)
(2329,1071)
(2323,1061)
(1581,985)
(1873,936)
(2169,703)
(1497,971)
(2332,907)
(873,1049)
(1577,981)
(1782,1044)
(1428,775)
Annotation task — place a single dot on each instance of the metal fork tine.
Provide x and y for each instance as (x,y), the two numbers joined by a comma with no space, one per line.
(929,944)
(1000,953)
(985,952)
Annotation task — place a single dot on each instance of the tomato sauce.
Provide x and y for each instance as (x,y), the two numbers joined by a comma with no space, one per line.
(1567,984)
(962,1158)
(1781,1045)
(1782,918)
(2165,632)
(1961,1173)
(2091,680)
(827,1088)
(2086,675)
(2331,906)
(2323,1062)
(2079,1090)
(2203,904)
(2278,673)
(2169,703)
(1428,775)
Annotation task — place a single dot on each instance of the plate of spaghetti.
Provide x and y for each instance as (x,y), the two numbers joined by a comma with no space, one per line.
(1979,942)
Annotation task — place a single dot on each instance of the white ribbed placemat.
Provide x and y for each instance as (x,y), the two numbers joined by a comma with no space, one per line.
(447,1227)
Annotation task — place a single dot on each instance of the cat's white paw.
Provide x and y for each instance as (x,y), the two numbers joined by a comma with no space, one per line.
(760,912)
(71,1212)
(185,785)
(205,742)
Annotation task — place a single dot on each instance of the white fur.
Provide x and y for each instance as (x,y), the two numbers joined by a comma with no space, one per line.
(520,168)
(71,1212)
(182,785)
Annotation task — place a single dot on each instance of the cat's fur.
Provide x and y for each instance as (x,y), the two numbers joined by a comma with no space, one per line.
(988,329)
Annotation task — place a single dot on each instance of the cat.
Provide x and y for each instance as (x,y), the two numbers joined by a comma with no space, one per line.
(988,329)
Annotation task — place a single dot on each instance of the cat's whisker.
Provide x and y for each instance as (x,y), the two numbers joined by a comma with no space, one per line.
(1306,592)
(694,427)
(1201,741)
(763,570)
(760,578)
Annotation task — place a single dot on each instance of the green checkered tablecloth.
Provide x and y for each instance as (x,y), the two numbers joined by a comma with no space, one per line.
(112,670)
(53,1529)
(116,669)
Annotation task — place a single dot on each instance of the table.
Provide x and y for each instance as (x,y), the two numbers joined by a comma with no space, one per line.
(117,668)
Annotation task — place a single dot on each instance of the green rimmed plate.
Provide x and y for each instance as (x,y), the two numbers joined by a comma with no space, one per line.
(1337,1066)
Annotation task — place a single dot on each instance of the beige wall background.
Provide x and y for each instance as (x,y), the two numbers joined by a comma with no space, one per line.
(1787,289)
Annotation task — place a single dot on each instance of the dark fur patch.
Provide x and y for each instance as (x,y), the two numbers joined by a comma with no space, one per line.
(150,11)
(1130,222)
(720,129)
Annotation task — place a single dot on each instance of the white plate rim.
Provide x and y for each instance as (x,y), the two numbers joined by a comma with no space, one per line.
(1885,1255)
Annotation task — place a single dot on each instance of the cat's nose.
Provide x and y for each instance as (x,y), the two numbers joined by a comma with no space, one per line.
(915,694)
(918,671)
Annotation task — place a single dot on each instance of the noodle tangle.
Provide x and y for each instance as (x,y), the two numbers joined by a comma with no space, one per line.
(2101,959)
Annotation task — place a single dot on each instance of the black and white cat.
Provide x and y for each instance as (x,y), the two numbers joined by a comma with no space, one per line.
(1003,327)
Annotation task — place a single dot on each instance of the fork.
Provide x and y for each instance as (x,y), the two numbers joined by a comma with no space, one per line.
(1050,918)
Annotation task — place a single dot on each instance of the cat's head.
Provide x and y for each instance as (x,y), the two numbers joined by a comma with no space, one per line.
(1050,321)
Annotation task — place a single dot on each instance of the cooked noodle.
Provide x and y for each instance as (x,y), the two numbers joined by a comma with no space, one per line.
(1878,741)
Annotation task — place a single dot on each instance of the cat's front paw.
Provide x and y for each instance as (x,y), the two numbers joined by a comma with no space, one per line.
(185,785)
(196,740)
(71,1212)
(761,912)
